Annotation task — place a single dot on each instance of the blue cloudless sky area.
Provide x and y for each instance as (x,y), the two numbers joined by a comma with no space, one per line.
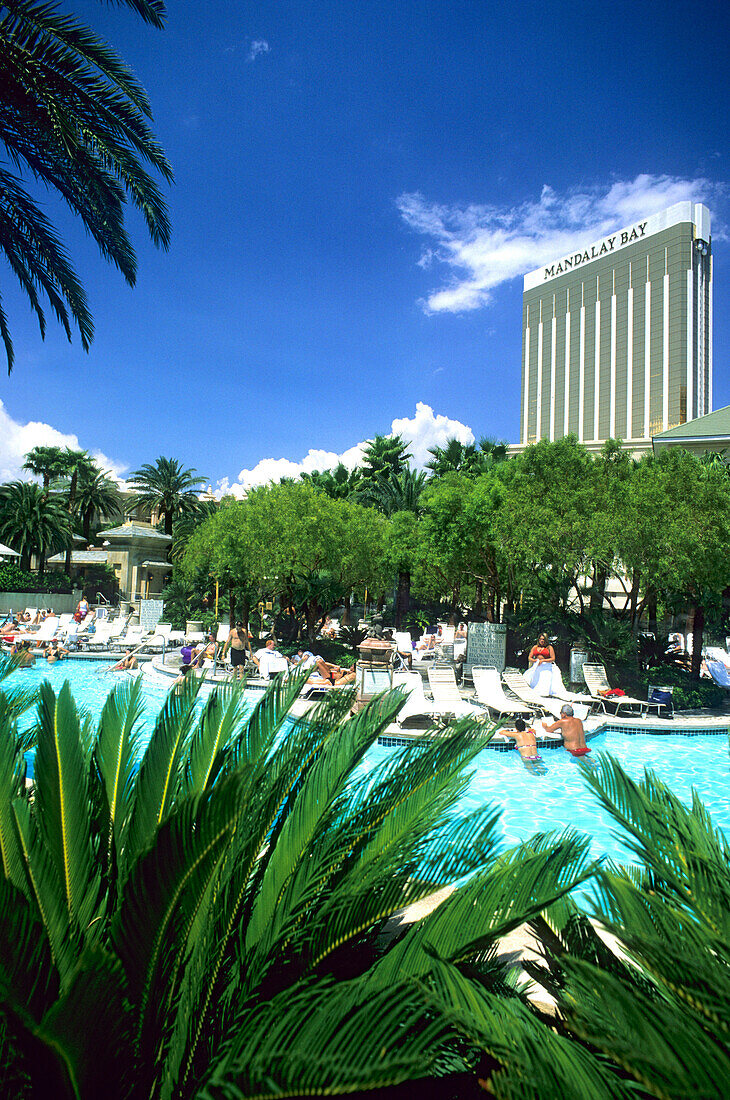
(288,313)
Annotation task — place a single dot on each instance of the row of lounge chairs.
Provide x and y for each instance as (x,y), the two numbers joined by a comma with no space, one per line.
(508,696)
(520,698)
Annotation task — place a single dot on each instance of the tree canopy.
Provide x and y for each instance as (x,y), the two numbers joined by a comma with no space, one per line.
(74,117)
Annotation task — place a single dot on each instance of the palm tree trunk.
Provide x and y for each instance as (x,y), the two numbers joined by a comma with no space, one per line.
(71,504)
(403,597)
(698,626)
(41,561)
(168,522)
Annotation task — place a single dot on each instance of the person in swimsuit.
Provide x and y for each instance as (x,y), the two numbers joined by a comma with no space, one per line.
(525,744)
(541,652)
(571,728)
(237,641)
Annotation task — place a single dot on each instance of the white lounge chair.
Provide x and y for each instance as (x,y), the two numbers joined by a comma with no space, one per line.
(561,692)
(490,693)
(47,629)
(417,705)
(270,666)
(100,638)
(223,631)
(517,683)
(597,683)
(447,697)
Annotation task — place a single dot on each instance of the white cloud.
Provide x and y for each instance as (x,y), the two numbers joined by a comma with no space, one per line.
(485,246)
(17,439)
(257,47)
(420,432)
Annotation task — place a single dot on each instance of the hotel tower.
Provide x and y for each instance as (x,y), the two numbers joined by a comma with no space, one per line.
(617,336)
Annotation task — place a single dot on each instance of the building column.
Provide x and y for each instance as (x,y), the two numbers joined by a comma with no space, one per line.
(630,361)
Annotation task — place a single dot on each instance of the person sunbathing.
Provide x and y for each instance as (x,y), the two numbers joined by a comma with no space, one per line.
(334,674)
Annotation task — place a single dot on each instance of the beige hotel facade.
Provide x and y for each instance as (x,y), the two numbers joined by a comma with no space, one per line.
(617,336)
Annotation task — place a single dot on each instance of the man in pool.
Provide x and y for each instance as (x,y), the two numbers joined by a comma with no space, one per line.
(571,728)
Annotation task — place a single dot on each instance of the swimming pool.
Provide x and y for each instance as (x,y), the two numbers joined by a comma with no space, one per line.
(530,803)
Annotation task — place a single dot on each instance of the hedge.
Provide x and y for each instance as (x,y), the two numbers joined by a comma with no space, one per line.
(15,579)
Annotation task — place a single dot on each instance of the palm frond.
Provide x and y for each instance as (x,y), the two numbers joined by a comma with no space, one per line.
(158,779)
(115,755)
(162,898)
(61,797)
(12,786)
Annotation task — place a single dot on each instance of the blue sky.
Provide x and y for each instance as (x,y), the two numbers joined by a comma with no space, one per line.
(358,189)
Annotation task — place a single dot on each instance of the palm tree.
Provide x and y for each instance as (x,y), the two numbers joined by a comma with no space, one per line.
(185,525)
(166,488)
(395,492)
(73,465)
(73,116)
(45,462)
(340,483)
(391,493)
(32,523)
(466,458)
(209,914)
(96,495)
(653,996)
(383,455)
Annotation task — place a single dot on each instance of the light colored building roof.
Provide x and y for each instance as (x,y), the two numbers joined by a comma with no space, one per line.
(715,425)
(82,557)
(6,552)
(134,531)
(155,564)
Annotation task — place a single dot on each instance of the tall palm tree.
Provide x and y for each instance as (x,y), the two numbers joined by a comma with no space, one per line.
(73,464)
(466,458)
(96,495)
(383,455)
(166,488)
(45,462)
(390,493)
(73,116)
(31,523)
(395,492)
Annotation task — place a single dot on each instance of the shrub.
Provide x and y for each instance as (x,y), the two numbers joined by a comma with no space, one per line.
(688,694)
(15,579)
(213,918)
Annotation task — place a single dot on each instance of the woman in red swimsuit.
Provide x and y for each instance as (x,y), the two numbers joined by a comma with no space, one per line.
(541,652)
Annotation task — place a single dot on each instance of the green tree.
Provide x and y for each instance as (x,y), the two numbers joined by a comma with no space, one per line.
(465,458)
(72,465)
(383,455)
(294,542)
(394,492)
(166,488)
(207,914)
(74,117)
(31,523)
(677,532)
(96,495)
(46,463)
(338,483)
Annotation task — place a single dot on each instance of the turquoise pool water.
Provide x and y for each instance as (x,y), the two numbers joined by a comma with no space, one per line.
(530,803)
